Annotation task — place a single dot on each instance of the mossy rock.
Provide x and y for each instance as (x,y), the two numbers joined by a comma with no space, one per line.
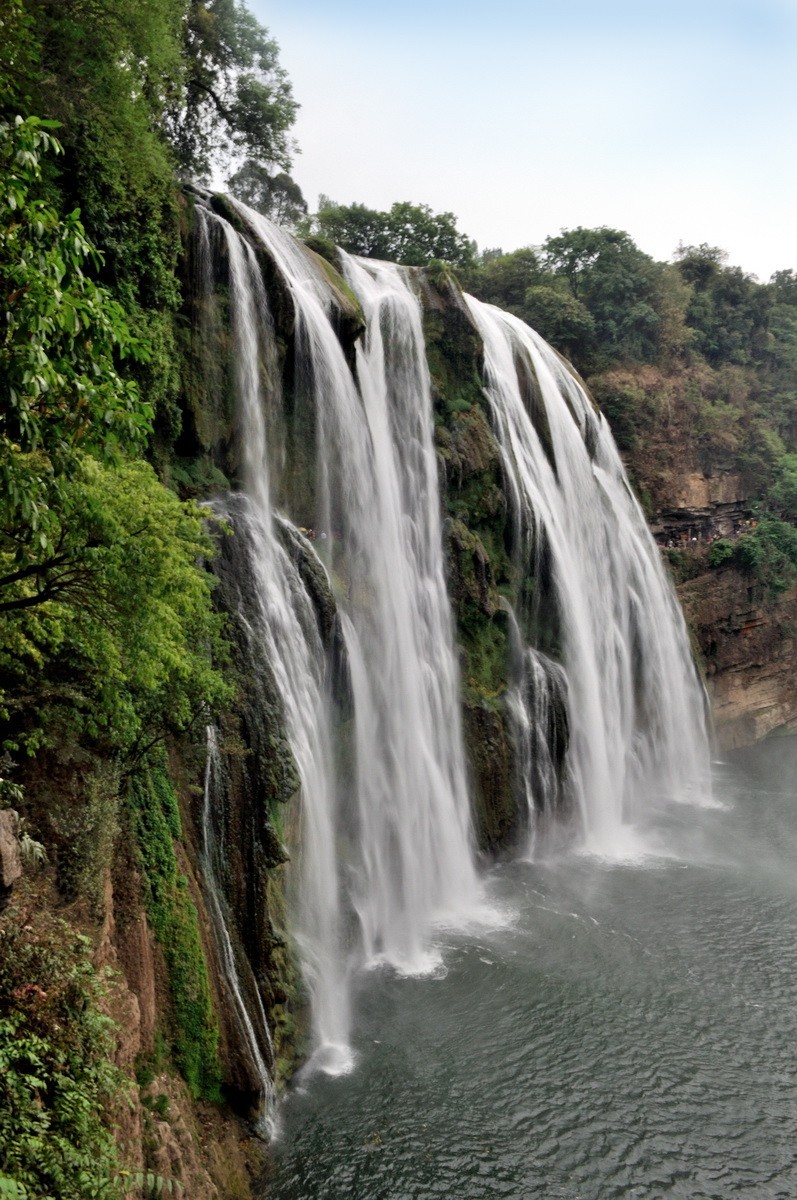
(467,444)
(327,249)
(314,577)
(348,316)
(470,571)
(491,760)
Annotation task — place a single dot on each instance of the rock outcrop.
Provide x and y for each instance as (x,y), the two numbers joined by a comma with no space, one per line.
(10,853)
(748,646)
(744,638)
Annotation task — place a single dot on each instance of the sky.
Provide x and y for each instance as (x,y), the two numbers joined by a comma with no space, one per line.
(676,122)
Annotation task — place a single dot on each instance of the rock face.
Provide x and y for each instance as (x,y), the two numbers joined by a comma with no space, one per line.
(702,506)
(745,640)
(748,645)
(10,856)
(479,564)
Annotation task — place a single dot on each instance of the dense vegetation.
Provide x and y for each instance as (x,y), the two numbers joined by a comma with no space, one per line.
(56,1046)
(408,233)
(110,645)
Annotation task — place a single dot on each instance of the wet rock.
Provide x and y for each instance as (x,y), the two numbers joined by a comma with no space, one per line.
(491,763)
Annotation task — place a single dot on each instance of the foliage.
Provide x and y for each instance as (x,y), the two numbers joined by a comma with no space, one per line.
(593,294)
(561,319)
(116,68)
(56,1077)
(619,286)
(237,98)
(768,554)
(275,196)
(408,233)
(156,822)
(728,310)
(136,89)
(782,497)
(60,391)
(721,552)
(109,637)
(504,279)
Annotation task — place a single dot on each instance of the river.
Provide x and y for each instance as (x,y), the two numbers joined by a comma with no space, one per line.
(627,1029)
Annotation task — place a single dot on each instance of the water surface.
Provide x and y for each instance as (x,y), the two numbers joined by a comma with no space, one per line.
(630,1032)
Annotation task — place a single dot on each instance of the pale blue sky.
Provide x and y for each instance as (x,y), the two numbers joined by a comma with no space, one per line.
(674,121)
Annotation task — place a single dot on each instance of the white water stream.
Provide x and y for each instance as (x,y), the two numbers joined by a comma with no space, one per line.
(635,706)
(379,869)
(284,621)
(249,1015)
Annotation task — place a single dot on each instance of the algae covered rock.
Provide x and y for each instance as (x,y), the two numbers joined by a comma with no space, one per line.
(477,537)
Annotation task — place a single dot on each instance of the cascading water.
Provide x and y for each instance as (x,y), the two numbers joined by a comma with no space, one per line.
(281,620)
(635,708)
(411,862)
(603,698)
(374,873)
(412,790)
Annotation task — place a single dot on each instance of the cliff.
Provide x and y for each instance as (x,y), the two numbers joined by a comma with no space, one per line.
(748,647)
(743,632)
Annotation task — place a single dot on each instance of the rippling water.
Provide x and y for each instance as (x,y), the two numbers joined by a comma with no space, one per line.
(630,1032)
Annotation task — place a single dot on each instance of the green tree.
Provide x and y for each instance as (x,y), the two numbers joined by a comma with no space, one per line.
(619,286)
(408,233)
(109,637)
(237,99)
(504,279)
(562,320)
(60,339)
(729,310)
(276,196)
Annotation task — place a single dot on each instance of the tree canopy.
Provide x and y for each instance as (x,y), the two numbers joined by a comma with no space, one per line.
(62,333)
(237,100)
(98,561)
(275,196)
(411,234)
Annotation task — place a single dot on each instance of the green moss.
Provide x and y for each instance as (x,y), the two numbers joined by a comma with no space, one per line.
(346,298)
(478,541)
(192,1028)
(288,1006)
(325,248)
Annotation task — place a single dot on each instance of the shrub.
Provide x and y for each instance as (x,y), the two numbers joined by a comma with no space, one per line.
(56,1076)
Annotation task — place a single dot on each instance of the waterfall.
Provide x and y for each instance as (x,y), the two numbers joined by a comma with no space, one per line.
(278,617)
(635,707)
(385,856)
(412,862)
(345,630)
(411,786)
